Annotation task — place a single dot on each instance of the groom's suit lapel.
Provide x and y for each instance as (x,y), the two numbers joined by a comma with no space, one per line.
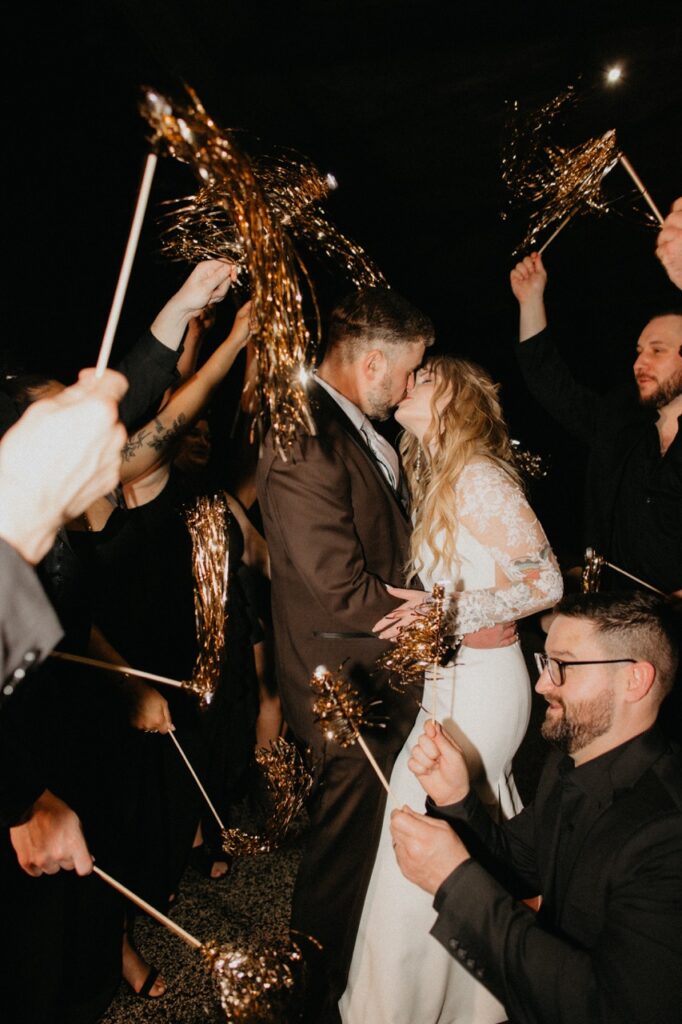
(324,407)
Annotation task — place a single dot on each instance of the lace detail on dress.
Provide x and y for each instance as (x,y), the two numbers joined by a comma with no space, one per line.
(493,508)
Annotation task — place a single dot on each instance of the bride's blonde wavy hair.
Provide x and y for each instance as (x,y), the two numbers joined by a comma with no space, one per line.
(470,425)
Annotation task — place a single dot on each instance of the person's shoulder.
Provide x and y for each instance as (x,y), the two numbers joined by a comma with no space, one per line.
(482,471)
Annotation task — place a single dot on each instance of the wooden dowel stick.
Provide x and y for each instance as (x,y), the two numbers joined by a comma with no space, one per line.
(377,769)
(127,264)
(645,194)
(148,908)
(552,237)
(629,575)
(196,778)
(123,669)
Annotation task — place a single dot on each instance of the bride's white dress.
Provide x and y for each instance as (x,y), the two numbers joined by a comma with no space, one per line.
(505,569)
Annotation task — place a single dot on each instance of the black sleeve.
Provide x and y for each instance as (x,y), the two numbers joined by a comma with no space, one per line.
(150,369)
(630,973)
(29,629)
(554,387)
(506,851)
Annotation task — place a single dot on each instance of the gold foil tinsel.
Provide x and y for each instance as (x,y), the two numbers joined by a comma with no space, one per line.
(558,182)
(418,645)
(339,710)
(530,464)
(248,211)
(207,525)
(255,987)
(591,574)
(282,340)
(289,784)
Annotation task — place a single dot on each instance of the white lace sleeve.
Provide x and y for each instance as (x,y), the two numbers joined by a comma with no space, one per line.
(494,510)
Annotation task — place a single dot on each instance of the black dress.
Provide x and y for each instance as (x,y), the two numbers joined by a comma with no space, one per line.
(142,587)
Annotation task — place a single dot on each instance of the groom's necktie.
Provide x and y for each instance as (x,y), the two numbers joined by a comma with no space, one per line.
(383,452)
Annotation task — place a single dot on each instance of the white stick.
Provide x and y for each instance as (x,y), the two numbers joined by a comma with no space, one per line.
(123,669)
(377,769)
(645,194)
(127,265)
(148,908)
(196,778)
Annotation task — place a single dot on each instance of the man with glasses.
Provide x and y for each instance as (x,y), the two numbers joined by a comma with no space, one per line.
(602,841)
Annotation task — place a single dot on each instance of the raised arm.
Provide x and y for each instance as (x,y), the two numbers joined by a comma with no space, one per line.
(152,364)
(547,376)
(528,283)
(207,284)
(151,445)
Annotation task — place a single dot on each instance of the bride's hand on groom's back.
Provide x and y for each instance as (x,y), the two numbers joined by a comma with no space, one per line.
(439,765)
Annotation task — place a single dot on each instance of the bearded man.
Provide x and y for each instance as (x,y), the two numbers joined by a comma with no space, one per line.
(602,840)
(633,513)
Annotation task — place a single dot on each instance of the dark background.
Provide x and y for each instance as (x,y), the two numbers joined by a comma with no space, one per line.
(405,103)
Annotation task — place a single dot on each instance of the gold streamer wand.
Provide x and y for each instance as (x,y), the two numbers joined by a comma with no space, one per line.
(206,522)
(420,644)
(253,987)
(340,713)
(289,784)
(282,341)
(126,670)
(559,182)
(591,574)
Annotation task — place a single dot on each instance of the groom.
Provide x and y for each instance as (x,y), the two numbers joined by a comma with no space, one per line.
(338,532)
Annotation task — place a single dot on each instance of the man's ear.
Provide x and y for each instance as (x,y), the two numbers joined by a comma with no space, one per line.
(374,364)
(641,678)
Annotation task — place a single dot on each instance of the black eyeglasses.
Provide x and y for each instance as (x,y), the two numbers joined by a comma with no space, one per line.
(557,668)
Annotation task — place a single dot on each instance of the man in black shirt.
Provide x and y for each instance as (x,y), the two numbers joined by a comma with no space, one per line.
(602,841)
(634,475)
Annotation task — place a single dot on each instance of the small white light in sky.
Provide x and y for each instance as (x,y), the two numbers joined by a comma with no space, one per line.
(614,74)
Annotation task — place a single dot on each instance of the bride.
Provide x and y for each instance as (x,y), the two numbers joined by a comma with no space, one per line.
(474,528)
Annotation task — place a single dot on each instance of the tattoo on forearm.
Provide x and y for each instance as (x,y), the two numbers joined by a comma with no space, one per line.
(133,444)
(159,438)
(164,435)
(530,566)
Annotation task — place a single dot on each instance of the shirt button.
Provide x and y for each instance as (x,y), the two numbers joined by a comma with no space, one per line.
(479,972)
(461,954)
(30,656)
(453,944)
(470,964)
(19,674)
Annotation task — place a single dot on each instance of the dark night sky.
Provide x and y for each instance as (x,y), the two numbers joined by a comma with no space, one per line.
(402,101)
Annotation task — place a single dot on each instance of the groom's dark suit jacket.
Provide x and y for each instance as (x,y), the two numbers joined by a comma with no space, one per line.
(606,947)
(337,533)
